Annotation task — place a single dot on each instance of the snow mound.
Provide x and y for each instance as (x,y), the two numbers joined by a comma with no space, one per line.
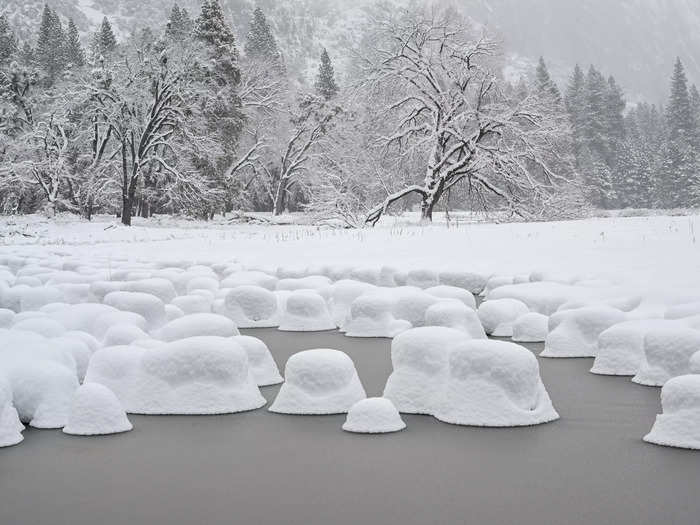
(574,333)
(198,375)
(105,321)
(173,312)
(319,382)
(497,281)
(41,325)
(667,353)
(681,311)
(343,294)
(7,318)
(420,361)
(472,282)
(146,305)
(192,304)
(305,311)
(679,424)
(412,304)
(195,325)
(530,328)
(94,411)
(202,283)
(312,282)
(455,314)
(372,315)
(621,347)
(493,384)
(251,278)
(123,334)
(163,289)
(452,292)
(260,360)
(422,278)
(498,315)
(374,415)
(10,425)
(252,307)
(542,297)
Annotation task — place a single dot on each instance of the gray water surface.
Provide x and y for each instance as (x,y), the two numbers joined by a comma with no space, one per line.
(591,467)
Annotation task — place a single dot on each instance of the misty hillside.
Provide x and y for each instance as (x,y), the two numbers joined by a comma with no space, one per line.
(636,40)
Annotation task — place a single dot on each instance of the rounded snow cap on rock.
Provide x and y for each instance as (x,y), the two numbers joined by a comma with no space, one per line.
(530,328)
(667,354)
(262,365)
(455,314)
(372,315)
(374,415)
(679,425)
(453,292)
(320,381)
(95,410)
(195,325)
(574,333)
(305,311)
(148,306)
(252,307)
(10,426)
(498,315)
(493,384)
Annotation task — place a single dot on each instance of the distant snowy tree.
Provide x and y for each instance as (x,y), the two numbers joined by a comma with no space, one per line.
(105,40)
(50,45)
(575,101)
(261,43)
(179,24)
(450,109)
(544,84)
(8,41)
(75,55)
(325,81)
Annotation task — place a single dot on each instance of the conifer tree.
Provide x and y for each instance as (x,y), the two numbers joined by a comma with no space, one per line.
(325,82)
(575,101)
(212,30)
(50,44)
(260,43)
(8,41)
(179,24)
(74,50)
(544,84)
(106,41)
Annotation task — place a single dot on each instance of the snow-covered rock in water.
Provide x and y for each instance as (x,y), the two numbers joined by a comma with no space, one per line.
(198,375)
(420,361)
(260,360)
(100,289)
(163,289)
(372,315)
(146,305)
(195,325)
(173,312)
(542,297)
(252,307)
(82,317)
(496,281)
(89,340)
(96,411)
(123,334)
(455,314)
(77,348)
(530,328)
(251,278)
(574,333)
(105,321)
(7,318)
(424,278)
(374,415)
(343,294)
(41,325)
(28,280)
(313,282)
(33,298)
(320,381)
(192,304)
(202,283)
(411,304)
(74,293)
(305,311)
(452,292)
(493,384)
(681,311)
(472,282)
(667,354)
(498,315)
(366,275)
(621,347)
(679,424)
(10,425)
(389,277)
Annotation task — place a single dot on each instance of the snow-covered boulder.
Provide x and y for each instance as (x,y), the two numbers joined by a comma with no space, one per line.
(195,325)
(530,328)
(374,415)
(411,304)
(423,278)
(667,354)
(163,289)
(420,361)
(198,375)
(95,411)
(305,311)
(319,283)
(202,283)
(320,381)
(251,278)
(679,424)
(365,275)
(100,289)
(123,334)
(7,318)
(343,294)
(173,312)
(493,384)
(193,304)
(452,292)
(680,311)
(40,325)
(470,281)
(260,360)
(496,281)
(455,314)
(497,316)
(146,305)
(252,307)
(372,315)
(542,297)
(621,347)
(33,298)
(10,425)
(574,333)
(105,321)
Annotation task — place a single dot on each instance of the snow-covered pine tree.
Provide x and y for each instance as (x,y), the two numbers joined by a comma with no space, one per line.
(74,50)
(593,161)
(179,25)
(325,81)
(106,41)
(215,33)
(50,45)
(544,85)
(575,101)
(260,43)
(8,41)
(615,133)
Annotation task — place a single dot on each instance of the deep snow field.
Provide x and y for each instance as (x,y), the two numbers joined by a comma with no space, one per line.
(586,333)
